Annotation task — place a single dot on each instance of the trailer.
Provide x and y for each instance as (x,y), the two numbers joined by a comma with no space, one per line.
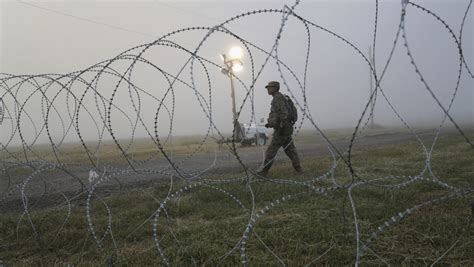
(253,134)
(248,134)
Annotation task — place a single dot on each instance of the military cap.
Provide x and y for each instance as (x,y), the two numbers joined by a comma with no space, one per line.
(273,84)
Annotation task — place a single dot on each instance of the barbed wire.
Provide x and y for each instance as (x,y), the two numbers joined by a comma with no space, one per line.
(84,101)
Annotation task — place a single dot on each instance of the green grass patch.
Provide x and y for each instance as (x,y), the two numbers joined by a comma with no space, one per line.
(203,226)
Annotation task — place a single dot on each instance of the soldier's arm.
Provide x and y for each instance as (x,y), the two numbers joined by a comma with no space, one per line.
(279,113)
(283,113)
(273,121)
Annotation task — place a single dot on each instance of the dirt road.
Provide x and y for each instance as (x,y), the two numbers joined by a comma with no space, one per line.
(57,184)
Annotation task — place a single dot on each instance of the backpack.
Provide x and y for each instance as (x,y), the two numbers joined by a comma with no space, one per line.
(292,111)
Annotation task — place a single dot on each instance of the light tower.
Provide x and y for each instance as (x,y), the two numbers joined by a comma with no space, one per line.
(233,64)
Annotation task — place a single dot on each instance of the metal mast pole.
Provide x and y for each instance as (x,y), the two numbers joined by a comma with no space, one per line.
(232,94)
(236,125)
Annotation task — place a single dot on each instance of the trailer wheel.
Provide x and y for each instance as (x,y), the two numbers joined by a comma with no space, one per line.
(260,140)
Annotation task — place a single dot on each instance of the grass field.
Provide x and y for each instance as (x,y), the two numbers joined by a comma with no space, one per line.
(145,148)
(204,224)
(108,151)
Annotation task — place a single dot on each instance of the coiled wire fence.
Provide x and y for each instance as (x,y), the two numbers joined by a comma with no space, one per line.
(67,179)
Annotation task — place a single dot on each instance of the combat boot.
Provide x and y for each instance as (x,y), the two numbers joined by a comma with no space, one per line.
(262,172)
(299,170)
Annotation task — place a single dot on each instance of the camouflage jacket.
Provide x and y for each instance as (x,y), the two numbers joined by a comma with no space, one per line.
(279,114)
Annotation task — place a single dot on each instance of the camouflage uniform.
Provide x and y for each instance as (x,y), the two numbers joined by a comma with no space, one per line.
(278,119)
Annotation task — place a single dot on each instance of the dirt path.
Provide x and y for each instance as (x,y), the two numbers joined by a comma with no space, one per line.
(253,156)
(54,186)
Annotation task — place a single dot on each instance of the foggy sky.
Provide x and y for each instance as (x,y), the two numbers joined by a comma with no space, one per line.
(62,37)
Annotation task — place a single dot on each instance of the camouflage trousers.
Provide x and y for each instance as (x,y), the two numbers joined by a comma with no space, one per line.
(286,142)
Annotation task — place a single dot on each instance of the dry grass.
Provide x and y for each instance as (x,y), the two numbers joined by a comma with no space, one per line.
(205,223)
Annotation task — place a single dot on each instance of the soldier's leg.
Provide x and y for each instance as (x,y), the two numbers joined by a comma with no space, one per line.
(290,151)
(271,153)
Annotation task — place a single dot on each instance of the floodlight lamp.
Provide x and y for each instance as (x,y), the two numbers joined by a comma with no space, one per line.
(236,67)
(235,53)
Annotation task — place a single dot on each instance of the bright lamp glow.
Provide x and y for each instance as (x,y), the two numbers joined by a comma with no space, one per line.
(235,53)
(237,67)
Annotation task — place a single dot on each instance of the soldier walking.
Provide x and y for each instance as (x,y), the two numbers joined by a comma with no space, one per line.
(280,120)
